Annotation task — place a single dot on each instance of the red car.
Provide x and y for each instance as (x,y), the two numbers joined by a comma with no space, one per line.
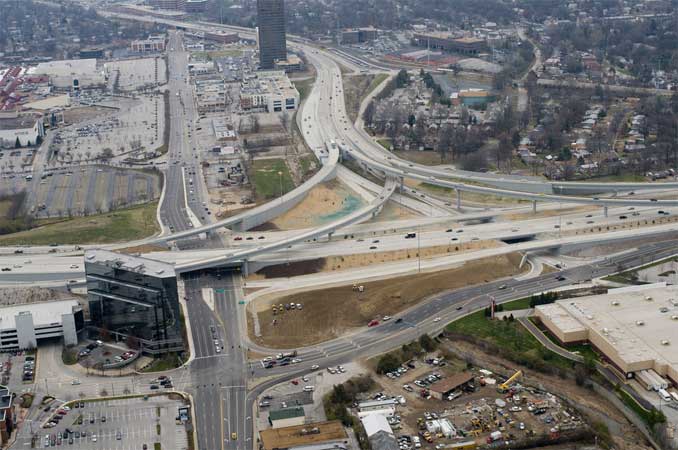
(373,323)
(295,382)
(237,238)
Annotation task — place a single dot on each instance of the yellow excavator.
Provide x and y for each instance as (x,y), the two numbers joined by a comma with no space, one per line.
(505,386)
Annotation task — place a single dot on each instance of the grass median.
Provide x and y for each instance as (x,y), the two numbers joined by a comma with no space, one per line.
(117,226)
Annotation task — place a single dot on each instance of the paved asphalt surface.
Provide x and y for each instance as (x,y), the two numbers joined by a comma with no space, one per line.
(452,305)
(184,188)
(218,379)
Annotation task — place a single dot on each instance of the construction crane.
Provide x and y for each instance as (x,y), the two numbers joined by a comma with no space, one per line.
(504,387)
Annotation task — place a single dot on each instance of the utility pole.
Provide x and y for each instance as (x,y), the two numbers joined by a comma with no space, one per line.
(418,250)
(280,179)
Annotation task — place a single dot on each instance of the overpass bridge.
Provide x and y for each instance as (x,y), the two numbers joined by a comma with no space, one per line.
(243,256)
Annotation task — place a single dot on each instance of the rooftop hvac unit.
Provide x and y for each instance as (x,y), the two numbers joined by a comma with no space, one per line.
(674,317)
(589,316)
(663,309)
(648,298)
(665,342)
(615,303)
(640,323)
(605,331)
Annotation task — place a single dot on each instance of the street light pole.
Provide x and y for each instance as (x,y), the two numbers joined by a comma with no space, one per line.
(280,179)
(418,250)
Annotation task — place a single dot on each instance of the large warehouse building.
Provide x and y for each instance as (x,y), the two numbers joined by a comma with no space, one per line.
(71,74)
(24,128)
(634,328)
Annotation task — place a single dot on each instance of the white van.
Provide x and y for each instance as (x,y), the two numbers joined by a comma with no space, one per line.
(309,388)
(664,395)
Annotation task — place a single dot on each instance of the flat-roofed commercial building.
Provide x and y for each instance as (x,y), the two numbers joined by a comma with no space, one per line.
(450,43)
(195,6)
(176,5)
(72,74)
(133,296)
(22,326)
(222,36)
(634,328)
(271,34)
(302,436)
(26,128)
(269,91)
(287,417)
(358,35)
(153,44)
(291,64)
(6,415)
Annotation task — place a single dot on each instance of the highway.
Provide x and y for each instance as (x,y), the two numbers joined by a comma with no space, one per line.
(450,306)
(218,378)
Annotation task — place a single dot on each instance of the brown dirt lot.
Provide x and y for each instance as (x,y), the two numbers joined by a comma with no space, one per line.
(325,199)
(332,312)
(145,248)
(549,213)
(75,115)
(331,263)
(393,211)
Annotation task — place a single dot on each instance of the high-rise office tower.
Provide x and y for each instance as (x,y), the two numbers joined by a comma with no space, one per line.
(272,40)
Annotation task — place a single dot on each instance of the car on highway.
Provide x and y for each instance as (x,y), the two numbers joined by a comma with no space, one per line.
(437,319)
(373,323)
(373,247)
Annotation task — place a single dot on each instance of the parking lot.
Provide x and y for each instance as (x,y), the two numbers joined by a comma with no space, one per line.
(292,393)
(18,368)
(86,190)
(132,74)
(118,424)
(134,126)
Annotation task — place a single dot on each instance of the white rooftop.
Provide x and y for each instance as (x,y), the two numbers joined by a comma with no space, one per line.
(375,423)
(639,323)
(43,313)
(66,67)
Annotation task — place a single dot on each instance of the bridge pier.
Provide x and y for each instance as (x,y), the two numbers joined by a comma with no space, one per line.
(605,210)
(329,236)
(245,268)
(458,199)
(534,206)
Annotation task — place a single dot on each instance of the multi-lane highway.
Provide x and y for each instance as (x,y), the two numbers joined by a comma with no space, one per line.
(218,370)
(450,306)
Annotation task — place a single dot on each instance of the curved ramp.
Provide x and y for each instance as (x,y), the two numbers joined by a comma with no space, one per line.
(364,213)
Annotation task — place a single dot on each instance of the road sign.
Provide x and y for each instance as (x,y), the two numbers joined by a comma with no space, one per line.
(220,291)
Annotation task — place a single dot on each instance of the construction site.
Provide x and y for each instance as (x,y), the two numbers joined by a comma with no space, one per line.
(441,405)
